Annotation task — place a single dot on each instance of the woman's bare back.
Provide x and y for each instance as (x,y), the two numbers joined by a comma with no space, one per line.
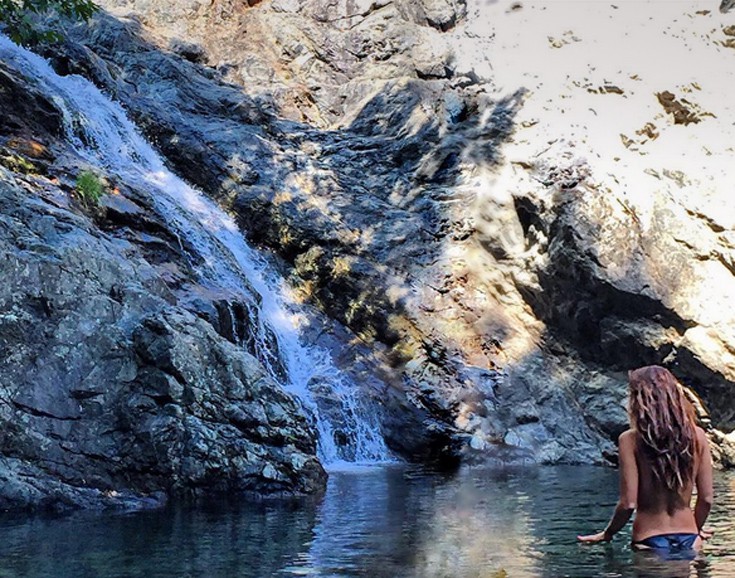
(658,490)
(658,511)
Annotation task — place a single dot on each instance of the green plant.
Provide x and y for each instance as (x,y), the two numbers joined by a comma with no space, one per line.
(17,16)
(89,188)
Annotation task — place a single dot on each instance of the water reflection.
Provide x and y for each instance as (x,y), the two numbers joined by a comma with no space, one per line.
(648,565)
(379,522)
(248,540)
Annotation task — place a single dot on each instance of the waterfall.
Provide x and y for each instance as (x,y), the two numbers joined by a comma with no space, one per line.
(101,133)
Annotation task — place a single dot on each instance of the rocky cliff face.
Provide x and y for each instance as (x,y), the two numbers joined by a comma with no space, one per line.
(446,208)
(413,164)
(115,394)
(369,203)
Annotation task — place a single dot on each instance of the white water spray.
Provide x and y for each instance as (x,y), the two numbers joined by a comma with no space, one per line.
(102,134)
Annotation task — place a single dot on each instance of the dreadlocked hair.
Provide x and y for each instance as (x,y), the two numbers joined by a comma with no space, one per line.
(666,425)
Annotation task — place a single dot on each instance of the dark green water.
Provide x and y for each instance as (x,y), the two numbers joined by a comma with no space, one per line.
(381,522)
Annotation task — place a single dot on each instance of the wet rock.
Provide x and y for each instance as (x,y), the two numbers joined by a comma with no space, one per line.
(26,487)
(117,390)
(109,388)
(25,110)
(213,420)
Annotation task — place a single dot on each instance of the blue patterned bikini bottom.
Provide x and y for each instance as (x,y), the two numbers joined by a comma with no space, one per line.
(679,545)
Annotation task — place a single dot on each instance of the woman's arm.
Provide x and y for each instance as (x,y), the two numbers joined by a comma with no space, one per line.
(703,481)
(628,500)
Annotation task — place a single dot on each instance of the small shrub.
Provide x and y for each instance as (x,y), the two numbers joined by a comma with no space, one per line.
(89,188)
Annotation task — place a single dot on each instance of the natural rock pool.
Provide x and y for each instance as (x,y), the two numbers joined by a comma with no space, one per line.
(380,522)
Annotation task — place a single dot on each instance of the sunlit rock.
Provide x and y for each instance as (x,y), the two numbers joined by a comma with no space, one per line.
(464,185)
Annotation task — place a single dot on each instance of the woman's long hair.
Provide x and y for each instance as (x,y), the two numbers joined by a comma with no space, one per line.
(666,424)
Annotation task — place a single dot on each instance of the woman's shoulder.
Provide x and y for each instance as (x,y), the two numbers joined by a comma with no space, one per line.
(627,435)
(701,435)
(627,439)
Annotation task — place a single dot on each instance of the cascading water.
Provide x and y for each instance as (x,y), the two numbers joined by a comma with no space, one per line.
(103,135)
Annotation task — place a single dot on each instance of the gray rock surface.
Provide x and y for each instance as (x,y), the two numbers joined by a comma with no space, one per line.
(369,216)
(312,60)
(500,299)
(116,392)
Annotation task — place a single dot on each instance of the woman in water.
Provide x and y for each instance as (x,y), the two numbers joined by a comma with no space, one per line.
(663,457)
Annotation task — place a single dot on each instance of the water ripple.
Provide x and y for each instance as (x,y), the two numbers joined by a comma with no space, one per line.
(392,521)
